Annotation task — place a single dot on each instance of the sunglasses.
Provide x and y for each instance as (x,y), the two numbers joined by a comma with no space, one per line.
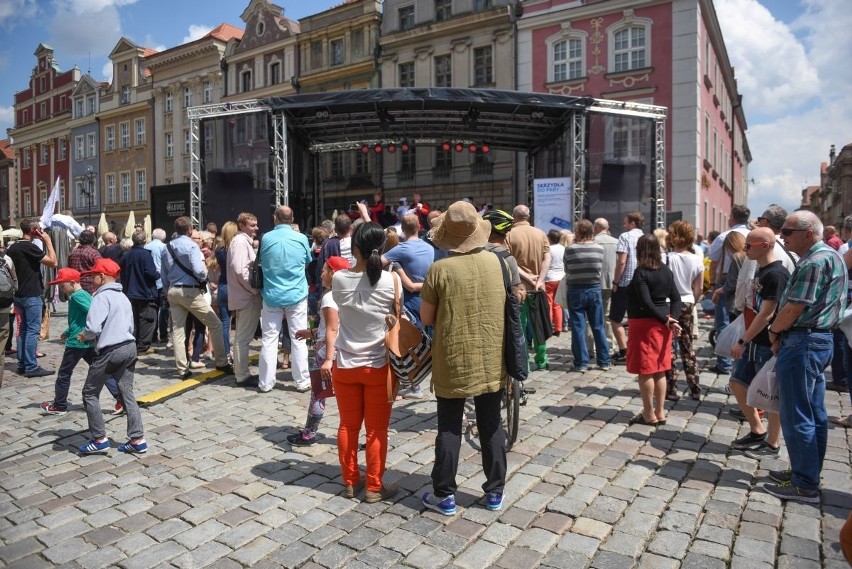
(787,231)
(762,219)
(748,246)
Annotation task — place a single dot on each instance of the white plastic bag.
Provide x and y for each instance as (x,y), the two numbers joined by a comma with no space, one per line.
(561,297)
(763,390)
(727,338)
(846,325)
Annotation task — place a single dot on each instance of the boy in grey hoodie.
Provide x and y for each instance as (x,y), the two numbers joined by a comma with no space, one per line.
(110,320)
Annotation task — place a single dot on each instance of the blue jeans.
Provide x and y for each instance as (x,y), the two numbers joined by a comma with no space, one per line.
(224,315)
(720,321)
(585,301)
(29,307)
(799,369)
(70,359)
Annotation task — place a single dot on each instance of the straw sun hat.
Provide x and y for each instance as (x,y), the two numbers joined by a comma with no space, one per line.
(460,229)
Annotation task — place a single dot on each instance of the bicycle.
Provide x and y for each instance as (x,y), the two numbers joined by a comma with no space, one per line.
(514,396)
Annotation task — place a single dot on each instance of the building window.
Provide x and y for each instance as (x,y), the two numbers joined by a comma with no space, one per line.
(443,163)
(90,104)
(110,188)
(41,84)
(208,138)
(78,108)
(170,144)
(125,187)
(27,158)
(245,81)
(483,68)
(406,74)
(43,111)
(628,140)
(275,73)
(408,163)
(629,47)
(125,94)
(187,142)
(356,40)
(568,59)
(444,71)
(207,90)
(335,165)
(124,133)
(141,186)
(79,148)
(316,54)
(63,148)
(91,145)
(406,18)
(479,5)
(187,97)
(28,204)
(110,138)
(241,137)
(25,116)
(362,163)
(443,10)
(170,102)
(140,132)
(715,145)
(337,52)
(43,153)
(707,137)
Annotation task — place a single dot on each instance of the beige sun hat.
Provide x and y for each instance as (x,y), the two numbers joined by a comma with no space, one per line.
(460,229)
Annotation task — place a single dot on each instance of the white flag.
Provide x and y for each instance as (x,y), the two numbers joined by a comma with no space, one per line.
(50,206)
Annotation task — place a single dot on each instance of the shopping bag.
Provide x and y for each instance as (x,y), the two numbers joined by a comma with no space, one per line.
(322,388)
(727,338)
(763,390)
(846,325)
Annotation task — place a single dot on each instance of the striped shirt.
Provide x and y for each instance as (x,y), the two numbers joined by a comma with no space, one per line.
(583,263)
(819,282)
(627,244)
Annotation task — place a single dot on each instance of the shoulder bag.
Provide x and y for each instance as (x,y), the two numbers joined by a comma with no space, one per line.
(514,346)
(409,348)
(256,272)
(202,284)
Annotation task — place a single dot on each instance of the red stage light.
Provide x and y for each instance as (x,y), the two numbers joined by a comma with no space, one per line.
(378,148)
(405,147)
(391,147)
(365,149)
(472,148)
(446,147)
(459,147)
(486,149)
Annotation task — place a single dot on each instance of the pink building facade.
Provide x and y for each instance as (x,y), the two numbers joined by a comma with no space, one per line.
(669,54)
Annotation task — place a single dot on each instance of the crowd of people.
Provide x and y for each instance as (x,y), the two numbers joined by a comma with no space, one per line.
(209,295)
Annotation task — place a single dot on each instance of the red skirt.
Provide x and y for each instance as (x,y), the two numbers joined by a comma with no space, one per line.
(649,346)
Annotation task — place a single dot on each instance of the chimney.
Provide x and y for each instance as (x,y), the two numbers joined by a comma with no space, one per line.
(831,156)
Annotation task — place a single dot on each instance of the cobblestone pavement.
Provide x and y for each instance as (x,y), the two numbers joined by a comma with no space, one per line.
(221,487)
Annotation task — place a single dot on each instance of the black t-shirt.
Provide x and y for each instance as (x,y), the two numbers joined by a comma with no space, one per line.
(653,294)
(111,252)
(769,284)
(27,257)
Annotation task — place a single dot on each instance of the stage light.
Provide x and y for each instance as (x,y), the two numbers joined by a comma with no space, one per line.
(391,147)
(365,149)
(472,148)
(405,147)
(378,148)
(486,149)
(446,147)
(459,147)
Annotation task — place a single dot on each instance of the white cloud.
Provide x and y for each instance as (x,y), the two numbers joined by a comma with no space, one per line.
(91,34)
(82,7)
(772,67)
(196,31)
(7,115)
(106,72)
(12,10)
(826,25)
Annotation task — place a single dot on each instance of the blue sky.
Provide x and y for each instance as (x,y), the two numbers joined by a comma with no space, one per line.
(791,59)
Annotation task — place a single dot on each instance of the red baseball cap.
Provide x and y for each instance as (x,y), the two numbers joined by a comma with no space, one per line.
(337,263)
(66,275)
(106,267)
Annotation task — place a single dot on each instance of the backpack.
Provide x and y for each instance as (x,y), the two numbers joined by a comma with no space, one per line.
(7,285)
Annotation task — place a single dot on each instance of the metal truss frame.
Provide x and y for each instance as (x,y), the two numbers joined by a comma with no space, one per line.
(577,157)
(195,115)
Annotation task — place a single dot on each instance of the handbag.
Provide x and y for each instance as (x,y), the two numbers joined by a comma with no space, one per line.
(321,388)
(256,272)
(763,390)
(514,344)
(409,348)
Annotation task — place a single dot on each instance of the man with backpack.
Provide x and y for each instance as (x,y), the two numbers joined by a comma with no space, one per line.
(8,286)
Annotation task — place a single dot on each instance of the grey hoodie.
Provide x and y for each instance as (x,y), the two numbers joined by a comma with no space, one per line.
(110,317)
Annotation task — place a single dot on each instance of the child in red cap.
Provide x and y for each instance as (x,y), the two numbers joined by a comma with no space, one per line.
(78,307)
(110,323)
(324,336)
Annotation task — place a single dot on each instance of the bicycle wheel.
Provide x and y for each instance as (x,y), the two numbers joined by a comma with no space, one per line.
(512,401)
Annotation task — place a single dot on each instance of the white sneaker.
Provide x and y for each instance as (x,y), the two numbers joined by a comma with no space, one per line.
(303,387)
(413,393)
(196,365)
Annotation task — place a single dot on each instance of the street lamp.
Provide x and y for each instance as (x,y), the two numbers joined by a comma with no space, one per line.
(89,191)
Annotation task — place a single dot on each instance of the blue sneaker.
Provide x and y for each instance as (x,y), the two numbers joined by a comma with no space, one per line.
(446,506)
(131,448)
(494,501)
(93,446)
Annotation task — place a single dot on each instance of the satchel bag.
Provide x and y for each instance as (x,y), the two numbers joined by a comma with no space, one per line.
(409,348)
(256,272)
(514,345)
(321,388)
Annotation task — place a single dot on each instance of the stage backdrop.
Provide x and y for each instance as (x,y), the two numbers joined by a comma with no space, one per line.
(552,203)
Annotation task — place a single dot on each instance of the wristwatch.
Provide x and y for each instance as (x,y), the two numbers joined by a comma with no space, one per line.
(740,341)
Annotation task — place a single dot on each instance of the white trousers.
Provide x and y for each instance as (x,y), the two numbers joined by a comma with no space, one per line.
(271,318)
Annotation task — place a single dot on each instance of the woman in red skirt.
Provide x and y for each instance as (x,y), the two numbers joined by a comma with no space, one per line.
(652,298)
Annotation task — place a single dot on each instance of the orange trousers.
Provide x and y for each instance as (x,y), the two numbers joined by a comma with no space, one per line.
(556,315)
(362,397)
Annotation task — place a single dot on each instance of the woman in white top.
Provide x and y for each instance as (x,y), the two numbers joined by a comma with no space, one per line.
(688,271)
(364,296)
(555,273)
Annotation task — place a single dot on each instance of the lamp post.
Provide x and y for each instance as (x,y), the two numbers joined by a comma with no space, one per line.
(89,191)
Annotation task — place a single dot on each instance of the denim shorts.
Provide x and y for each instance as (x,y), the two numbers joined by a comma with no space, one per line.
(753,359)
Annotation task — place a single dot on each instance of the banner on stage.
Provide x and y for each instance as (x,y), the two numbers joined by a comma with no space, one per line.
(553,204)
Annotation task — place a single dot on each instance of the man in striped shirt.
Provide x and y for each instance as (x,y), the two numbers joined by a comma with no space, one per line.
(583,263)
(625,266)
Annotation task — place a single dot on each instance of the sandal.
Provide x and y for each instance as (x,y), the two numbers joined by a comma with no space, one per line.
(846,423)
(640,420)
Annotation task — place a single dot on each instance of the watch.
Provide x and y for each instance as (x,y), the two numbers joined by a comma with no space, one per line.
(740,341)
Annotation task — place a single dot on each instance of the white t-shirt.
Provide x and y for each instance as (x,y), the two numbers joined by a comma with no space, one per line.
(362,309)
(685,267)
(346,250)
(557,265)
(326,302)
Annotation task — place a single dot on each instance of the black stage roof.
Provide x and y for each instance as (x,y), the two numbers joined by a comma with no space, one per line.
(502,119)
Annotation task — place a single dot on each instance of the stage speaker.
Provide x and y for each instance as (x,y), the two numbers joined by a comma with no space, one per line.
(231,192)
